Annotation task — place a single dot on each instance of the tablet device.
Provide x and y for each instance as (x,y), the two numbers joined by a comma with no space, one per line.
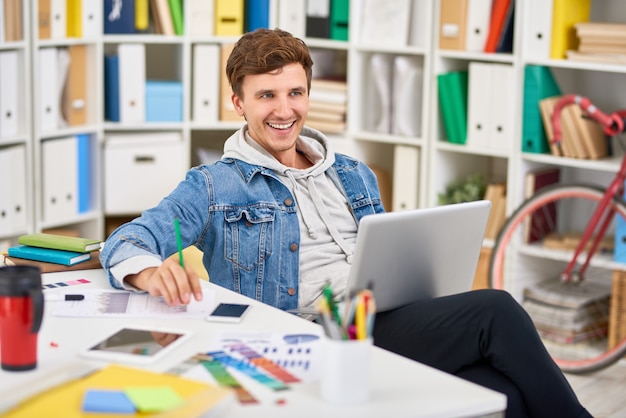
(136,345)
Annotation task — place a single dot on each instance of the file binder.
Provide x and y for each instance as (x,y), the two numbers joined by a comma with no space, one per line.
(405,175)
(496,23)
(565,13)
(176,10)
(206,82)
(227,110)
(452,93)
(13,215)
(479,109)
(406,115)
(292,17)
(49,92)
(339,19)
(74,19)
(379,101)
(132,82)
(202,17)
(85,177)
(74,105)
(257,14)
(59,179)
(539,83)
(452,24)
(111,88)
(58,22)
(229,16)
(44,18)
(539,32)
(10,82)
(119,17)
(477,26)
(318,19)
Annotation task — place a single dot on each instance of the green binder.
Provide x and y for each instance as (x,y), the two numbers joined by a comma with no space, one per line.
(452,92)
(339,17)
(539,83)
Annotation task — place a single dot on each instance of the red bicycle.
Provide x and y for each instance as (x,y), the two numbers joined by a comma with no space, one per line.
(523,265)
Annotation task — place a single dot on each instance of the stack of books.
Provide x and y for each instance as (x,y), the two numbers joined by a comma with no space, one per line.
(600,42)
(51,252)
(582,137)
(568,313)
(327,105)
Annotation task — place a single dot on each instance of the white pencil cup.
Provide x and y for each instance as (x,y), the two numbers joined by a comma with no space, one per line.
(345,371)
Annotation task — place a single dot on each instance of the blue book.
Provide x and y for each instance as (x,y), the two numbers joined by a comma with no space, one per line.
(112,88)
(48,255)
(119,16)
(84,172)
(257,14)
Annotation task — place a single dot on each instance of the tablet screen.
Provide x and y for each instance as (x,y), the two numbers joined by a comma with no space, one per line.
(143,344)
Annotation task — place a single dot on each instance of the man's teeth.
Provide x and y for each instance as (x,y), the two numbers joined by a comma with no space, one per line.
(280,126)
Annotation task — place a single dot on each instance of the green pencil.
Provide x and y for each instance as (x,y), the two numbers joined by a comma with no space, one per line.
(179,242)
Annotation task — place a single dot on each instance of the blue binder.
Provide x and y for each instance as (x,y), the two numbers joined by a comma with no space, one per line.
(112,88)
(120,20)
(257,14)
(84,172)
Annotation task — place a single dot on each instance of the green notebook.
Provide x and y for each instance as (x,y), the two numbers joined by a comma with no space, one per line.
(539,83)
(60,242)
(452,91)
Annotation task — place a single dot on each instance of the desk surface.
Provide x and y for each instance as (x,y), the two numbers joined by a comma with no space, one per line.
(399,387)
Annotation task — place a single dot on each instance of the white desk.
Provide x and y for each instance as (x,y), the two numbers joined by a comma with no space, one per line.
(399,387)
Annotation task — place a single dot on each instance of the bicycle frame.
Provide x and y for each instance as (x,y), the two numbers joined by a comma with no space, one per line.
(613,124)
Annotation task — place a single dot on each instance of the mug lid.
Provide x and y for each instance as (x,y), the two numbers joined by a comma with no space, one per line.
(18,280)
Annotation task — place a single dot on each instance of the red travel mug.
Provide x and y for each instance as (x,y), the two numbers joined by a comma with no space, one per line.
(21,313)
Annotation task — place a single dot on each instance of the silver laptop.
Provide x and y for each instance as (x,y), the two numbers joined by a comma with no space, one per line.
(417,254)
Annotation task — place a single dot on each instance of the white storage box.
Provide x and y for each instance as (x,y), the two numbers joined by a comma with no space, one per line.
(140,169)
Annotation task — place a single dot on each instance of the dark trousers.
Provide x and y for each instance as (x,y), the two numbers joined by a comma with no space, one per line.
(483,336)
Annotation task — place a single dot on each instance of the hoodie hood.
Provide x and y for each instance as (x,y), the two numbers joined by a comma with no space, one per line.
(312,143)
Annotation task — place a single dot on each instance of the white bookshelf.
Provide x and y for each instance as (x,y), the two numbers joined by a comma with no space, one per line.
(48,126)
(16,200)
(419,165)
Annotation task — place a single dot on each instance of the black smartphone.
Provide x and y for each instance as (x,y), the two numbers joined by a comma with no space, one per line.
(228,312)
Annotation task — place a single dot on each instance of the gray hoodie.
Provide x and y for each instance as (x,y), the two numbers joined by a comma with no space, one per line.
(327,227)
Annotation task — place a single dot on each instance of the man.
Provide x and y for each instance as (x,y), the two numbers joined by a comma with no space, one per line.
(277,218)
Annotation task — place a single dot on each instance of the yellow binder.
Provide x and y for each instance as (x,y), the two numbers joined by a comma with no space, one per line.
(565,13)
(229,17)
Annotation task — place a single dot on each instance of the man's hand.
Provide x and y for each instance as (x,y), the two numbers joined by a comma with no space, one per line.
(169,280)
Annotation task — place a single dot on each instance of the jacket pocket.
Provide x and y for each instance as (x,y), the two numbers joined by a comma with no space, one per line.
(249,236)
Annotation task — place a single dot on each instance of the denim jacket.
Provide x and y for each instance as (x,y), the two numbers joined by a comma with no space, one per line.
(245,222)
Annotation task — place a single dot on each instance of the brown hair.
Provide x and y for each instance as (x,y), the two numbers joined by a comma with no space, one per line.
(263,51)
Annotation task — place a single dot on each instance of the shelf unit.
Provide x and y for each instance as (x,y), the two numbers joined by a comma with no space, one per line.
(599,82)
(16,164)
(419,164)
(65,196)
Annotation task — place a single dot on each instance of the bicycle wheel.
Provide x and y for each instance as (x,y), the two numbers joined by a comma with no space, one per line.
(530,253)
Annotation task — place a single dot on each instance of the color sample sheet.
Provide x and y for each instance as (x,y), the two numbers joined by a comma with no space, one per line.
(256,363)
(98,302)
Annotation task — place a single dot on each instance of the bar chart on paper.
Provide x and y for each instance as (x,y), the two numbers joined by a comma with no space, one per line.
(123,303)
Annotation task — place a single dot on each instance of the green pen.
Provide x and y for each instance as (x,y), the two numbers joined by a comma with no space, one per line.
(179,242)
(328,294)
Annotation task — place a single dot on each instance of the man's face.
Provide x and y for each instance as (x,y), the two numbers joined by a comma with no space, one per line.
(275,106)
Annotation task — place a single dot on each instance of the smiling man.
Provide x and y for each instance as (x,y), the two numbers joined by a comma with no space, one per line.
(276,219)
